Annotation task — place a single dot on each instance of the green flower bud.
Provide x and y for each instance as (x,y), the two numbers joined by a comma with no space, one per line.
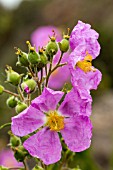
(22,58)
(20,107)
(43,57)
(29,85)
(33,56)
(12,76)
(12,101)
(64,45)
(52,46)
(14,141)
(1,89)
(20,153)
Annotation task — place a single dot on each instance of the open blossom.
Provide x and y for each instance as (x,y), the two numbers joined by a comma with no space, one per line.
(71,119)
(83,37)
(7,159)
(83,41)
(40,38)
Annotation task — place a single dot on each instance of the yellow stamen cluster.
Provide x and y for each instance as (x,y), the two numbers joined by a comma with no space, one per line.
(55,121)
(86,64)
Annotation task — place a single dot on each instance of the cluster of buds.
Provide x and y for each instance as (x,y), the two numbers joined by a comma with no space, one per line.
(34,62)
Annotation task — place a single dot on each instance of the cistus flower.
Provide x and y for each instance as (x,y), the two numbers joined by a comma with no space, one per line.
(40,38)
(85,48)
(71,119)
(7,159)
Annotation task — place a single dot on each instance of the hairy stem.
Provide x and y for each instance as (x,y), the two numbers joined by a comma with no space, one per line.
(20,94)
(49,72)
(52,70)
(60,65)
(5,125)
(9,92)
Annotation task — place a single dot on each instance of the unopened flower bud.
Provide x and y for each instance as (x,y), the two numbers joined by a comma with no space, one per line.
(22,58)
(43,57)
(1,89)
(20,107)
(33,56)
(20,153)
(64,44)
(12,76)
(14,140)
(12,101)
(52,46)
(28,85)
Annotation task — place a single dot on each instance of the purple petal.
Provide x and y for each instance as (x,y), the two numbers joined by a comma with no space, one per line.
(48,100)
(86,81)
(83,36)
(73,104)
(27,121)
(45,145)
(77,133)
(26,89)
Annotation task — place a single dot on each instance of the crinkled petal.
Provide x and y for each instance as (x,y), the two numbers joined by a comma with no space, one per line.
(27,121)
(77,133)
(45,145)
(83,36)
(85,81)
(48,100)
(74,104)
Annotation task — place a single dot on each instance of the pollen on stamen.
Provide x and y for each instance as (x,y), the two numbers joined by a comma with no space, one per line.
(55,121)
(86,64)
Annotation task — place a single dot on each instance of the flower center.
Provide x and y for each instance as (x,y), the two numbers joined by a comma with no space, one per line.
(55,121)
(86,64)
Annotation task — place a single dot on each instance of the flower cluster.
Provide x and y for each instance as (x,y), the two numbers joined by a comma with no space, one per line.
(55,117)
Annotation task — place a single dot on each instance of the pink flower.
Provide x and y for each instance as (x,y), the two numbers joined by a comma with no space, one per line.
(71,119)
(85,48)
(40,37)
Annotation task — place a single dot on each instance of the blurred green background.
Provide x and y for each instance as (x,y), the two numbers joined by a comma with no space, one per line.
(16,25)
